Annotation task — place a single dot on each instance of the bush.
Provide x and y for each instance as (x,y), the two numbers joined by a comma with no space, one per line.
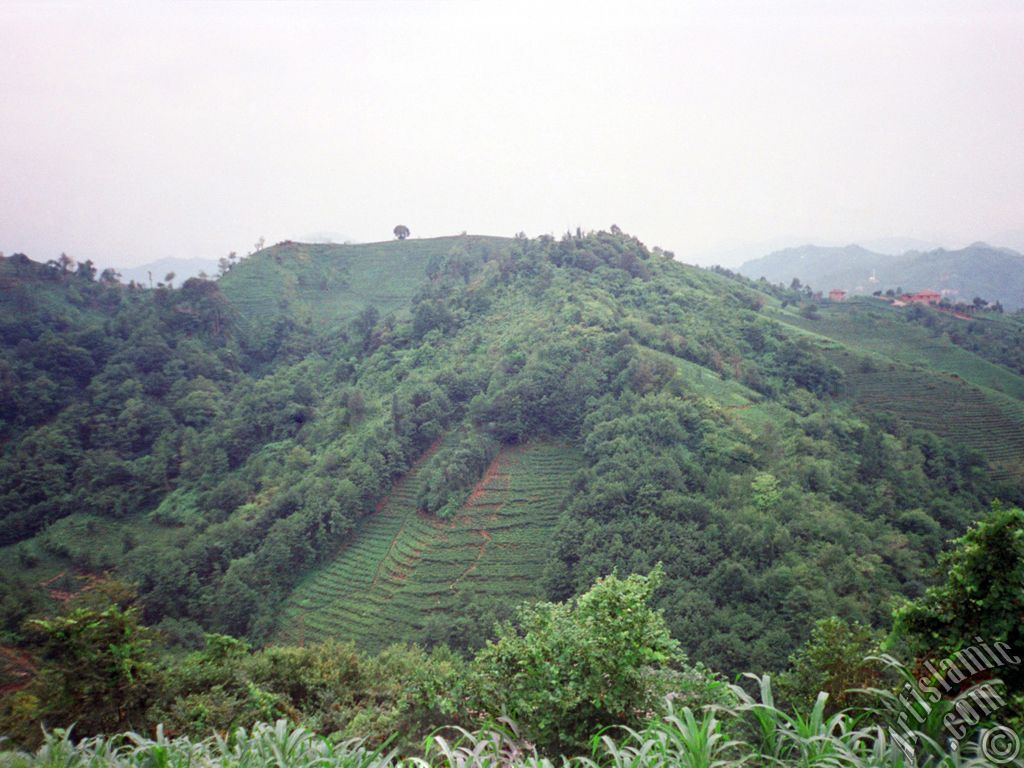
(565,670)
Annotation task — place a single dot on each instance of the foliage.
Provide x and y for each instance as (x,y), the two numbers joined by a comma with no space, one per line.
(565,670)
(332,688)
(452,471)
(980,601)
(97,669)
(233,446)
(982,592)
(837,659)
(755,732)
(439,581)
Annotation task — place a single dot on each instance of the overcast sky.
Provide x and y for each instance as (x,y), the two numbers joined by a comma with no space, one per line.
(131,132)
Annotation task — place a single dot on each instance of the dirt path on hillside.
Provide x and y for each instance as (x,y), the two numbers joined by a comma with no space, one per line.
(497,479)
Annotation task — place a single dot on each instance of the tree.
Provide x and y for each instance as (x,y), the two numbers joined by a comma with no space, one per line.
(563,670)
(401,231)
(982,596)
(110,276)
(225,263)
(836,659)
(86,270)
(97,668)
(974,618)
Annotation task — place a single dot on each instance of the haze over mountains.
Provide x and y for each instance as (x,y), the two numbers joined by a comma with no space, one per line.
(994,274)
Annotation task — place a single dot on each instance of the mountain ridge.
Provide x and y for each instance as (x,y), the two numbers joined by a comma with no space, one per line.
(220,443)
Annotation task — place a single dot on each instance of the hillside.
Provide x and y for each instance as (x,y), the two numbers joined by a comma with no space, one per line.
(406,574)
(905,370)
(328,282)
(995,274)
(153,272)
(399,441)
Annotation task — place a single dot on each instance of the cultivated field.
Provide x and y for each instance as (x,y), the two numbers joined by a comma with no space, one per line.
(925,381)
(403,566)
(986,422)
(323,283)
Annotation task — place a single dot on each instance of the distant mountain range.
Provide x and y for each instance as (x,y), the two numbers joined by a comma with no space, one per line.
(995,274)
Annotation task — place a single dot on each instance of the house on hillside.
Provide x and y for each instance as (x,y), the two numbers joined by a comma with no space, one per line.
(836,295)
(924,297)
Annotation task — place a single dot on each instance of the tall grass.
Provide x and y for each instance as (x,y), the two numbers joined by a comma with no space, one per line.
(752,733)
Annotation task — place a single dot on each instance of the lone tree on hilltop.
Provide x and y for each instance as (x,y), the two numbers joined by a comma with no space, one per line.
(401,231)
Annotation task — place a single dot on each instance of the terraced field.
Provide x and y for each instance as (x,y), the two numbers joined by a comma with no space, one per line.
(899,368)
(868,325)
(988,422)
(402,566)
(325,283)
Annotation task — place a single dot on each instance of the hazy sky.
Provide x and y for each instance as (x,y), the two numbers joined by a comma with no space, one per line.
(135,131)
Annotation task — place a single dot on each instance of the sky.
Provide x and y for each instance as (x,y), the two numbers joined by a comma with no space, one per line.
(131,132)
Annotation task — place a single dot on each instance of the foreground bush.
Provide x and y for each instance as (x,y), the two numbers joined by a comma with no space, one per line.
(565,670)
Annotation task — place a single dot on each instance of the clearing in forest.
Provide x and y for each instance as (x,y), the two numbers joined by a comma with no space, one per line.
(403,567)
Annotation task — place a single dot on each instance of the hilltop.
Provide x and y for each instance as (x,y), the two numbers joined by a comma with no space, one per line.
(328,282)
(994,274)
(398,441)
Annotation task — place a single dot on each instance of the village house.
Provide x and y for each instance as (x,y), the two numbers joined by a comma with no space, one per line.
(923,297)
(836,295)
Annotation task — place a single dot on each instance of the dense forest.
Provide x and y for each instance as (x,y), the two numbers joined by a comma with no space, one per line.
(179,463)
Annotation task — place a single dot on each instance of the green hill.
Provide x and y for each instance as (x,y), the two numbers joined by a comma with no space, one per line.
(328,282)
(905,370)
(399,441)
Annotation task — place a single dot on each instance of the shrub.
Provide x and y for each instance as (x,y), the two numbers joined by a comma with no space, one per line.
(564,670)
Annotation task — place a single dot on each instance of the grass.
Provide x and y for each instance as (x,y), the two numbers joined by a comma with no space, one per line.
(752,732)
(327,282)
(874,327)
(897,368)
(952,408)
(403,567)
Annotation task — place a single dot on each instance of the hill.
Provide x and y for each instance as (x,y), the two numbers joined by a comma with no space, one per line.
(398,441)
(328,282)
(906,370)
(995,274)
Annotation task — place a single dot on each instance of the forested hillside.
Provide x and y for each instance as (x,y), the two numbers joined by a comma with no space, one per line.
(398,441)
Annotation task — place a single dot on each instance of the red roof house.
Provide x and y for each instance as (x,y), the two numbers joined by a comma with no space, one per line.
(924,297)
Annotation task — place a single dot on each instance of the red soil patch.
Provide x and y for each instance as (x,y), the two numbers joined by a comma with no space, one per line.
(16,670)
(63,596)
(498,469)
